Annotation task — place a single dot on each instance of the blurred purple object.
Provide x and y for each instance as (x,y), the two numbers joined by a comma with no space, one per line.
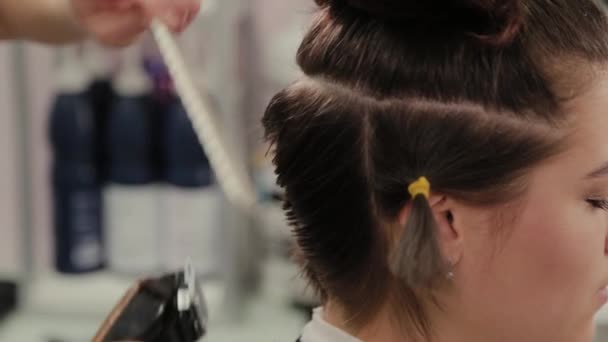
(163,88)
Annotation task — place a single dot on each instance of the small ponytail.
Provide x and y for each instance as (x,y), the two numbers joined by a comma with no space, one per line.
(417,259)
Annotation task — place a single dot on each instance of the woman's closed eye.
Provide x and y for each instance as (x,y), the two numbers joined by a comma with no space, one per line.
(598,203)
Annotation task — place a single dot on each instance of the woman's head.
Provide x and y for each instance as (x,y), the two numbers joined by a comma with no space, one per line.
(499,104)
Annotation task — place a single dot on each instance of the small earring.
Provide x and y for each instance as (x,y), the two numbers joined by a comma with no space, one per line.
(450,275)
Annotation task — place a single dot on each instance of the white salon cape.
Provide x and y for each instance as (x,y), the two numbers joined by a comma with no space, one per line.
(318,330)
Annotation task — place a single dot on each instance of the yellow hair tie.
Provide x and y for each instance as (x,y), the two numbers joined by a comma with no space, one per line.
(420,187)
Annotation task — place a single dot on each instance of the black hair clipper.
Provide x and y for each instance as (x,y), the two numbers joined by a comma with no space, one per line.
(167,309)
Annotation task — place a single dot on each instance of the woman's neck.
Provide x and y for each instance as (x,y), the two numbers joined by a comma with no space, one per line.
(384,327)
(381,328)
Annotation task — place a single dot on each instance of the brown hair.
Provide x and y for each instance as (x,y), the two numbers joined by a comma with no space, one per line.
(468,93)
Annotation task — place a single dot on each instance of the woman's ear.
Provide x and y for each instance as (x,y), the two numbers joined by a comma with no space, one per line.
(449,229)
(428,241)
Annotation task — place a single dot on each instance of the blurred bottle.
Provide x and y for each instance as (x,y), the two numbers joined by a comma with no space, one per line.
(192,227)
(9,298)
(76,184)
(132,195)
(100,93)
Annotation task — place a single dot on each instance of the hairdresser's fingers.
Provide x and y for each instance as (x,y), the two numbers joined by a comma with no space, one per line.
(120,22)
(191,16)
(118,30)
(176,14)
(111,5)
(112,22)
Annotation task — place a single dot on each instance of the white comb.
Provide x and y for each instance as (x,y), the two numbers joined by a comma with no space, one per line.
(230,176)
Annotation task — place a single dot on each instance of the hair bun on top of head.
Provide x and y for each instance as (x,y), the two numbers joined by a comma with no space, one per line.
(494,22)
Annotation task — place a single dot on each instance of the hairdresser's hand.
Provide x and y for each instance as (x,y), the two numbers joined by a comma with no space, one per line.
(120,22)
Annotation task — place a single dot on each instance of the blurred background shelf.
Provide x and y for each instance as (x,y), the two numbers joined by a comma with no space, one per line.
(70,308)
(91,296)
